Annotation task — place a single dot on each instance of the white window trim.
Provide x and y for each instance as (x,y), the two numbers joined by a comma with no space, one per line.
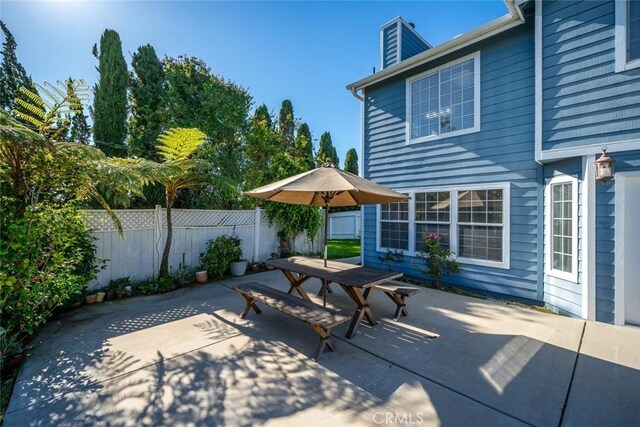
(621,38)
(549,271)
(453,224)
(476,101)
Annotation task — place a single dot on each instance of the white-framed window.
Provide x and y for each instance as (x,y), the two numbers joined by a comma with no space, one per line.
(445,101)
(432,215)
(473,221)
(627,35)
(394,225)
(561,228)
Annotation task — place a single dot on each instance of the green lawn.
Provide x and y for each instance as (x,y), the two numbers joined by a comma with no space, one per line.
(343,248)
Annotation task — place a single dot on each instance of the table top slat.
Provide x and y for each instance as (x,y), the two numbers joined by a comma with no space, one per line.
(335,271)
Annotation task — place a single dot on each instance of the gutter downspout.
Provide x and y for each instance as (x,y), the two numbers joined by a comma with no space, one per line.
(354,92)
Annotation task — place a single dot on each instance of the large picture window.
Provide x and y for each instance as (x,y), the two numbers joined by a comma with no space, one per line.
(471,221)
(444,102)
(562,228)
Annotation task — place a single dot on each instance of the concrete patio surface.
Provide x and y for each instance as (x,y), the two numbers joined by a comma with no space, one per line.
(186,358)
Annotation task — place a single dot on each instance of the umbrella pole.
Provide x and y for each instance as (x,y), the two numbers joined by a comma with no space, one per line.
(326,230)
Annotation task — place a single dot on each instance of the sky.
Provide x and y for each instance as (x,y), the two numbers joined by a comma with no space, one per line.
(305,51)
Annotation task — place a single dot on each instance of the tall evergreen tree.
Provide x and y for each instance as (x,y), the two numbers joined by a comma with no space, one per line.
(146,95)
(326,151)
(262,144)
(12,73)
(110,97)
(286,125)
(304,145)
(351,161)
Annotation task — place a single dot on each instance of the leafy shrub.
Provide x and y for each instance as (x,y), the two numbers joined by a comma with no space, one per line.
(435,259)
(391,257)
(47,257)
(220,253)
(9,347)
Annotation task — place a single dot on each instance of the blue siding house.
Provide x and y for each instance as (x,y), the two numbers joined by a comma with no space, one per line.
(494,136)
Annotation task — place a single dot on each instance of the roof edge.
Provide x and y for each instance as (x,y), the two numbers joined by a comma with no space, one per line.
(506,22)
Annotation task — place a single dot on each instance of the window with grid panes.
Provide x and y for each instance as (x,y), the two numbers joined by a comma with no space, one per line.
(432,215)
(480,224)
(394,225)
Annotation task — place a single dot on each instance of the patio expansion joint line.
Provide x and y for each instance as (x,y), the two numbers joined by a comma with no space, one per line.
(573,374)
(411,371)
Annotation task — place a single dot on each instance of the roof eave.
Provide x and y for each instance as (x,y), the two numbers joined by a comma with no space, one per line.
(504,23)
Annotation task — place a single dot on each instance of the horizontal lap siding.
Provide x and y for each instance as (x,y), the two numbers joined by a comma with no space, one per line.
(389,46)
(584,100)
(502,151)
(560,295)
(605,237)
(411,44)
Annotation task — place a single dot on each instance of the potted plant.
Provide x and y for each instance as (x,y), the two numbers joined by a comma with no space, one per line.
(272,256)
(238,265)
(100,296)
(282,236)
(90,299)
(202,276)
(220,253)
(119,287)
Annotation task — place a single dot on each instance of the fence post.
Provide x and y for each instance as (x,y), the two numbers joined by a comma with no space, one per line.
(256,235)
(157,222)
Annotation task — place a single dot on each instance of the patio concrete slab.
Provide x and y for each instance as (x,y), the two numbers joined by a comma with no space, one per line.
(606,386)
(186,358)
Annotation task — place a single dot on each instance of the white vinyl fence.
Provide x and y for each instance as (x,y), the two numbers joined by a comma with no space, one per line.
(344,225)
(139,253)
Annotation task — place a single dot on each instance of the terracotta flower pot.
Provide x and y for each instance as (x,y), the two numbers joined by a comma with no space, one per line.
(90,299)
(202,277)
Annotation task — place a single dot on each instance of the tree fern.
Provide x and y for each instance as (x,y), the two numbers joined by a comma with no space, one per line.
(48,108)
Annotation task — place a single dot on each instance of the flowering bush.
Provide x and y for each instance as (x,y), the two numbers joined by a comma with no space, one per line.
(435,260)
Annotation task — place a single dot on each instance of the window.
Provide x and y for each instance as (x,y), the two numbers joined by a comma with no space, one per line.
(561,228)
(444,102)
(480,224)
(471,221)
(627,35)
(394,225)
(432,215)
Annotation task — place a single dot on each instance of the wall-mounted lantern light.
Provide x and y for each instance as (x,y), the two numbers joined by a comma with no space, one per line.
(604,167)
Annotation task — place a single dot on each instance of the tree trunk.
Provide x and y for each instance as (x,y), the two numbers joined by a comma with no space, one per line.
(164,265)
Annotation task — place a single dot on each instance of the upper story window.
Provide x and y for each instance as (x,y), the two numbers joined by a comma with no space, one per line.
(627,35)
(562,228)
(445,101)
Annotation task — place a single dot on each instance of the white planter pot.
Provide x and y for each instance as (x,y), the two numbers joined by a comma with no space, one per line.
(238,268)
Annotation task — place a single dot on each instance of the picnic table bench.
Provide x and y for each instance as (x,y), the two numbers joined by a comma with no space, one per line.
(398,291)
(322,319)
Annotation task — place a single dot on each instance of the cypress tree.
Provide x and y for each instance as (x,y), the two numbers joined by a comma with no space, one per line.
(12,73)
(147,83)
(286,125)
(110,97)
(327,152)
(351,161)
(304,145)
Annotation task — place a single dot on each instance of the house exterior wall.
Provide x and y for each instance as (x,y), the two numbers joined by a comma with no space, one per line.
(584,100)
(389,45)
(411,43)
(502,151)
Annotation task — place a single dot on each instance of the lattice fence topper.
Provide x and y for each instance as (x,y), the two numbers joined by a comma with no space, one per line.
(131,219)
(210,218)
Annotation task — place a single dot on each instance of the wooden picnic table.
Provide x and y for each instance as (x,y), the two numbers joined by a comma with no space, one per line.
(357,281)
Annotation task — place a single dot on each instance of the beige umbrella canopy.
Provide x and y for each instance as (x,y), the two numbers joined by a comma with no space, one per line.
(326,186)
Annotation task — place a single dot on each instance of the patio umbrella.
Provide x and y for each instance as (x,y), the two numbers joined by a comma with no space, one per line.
(326,186)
